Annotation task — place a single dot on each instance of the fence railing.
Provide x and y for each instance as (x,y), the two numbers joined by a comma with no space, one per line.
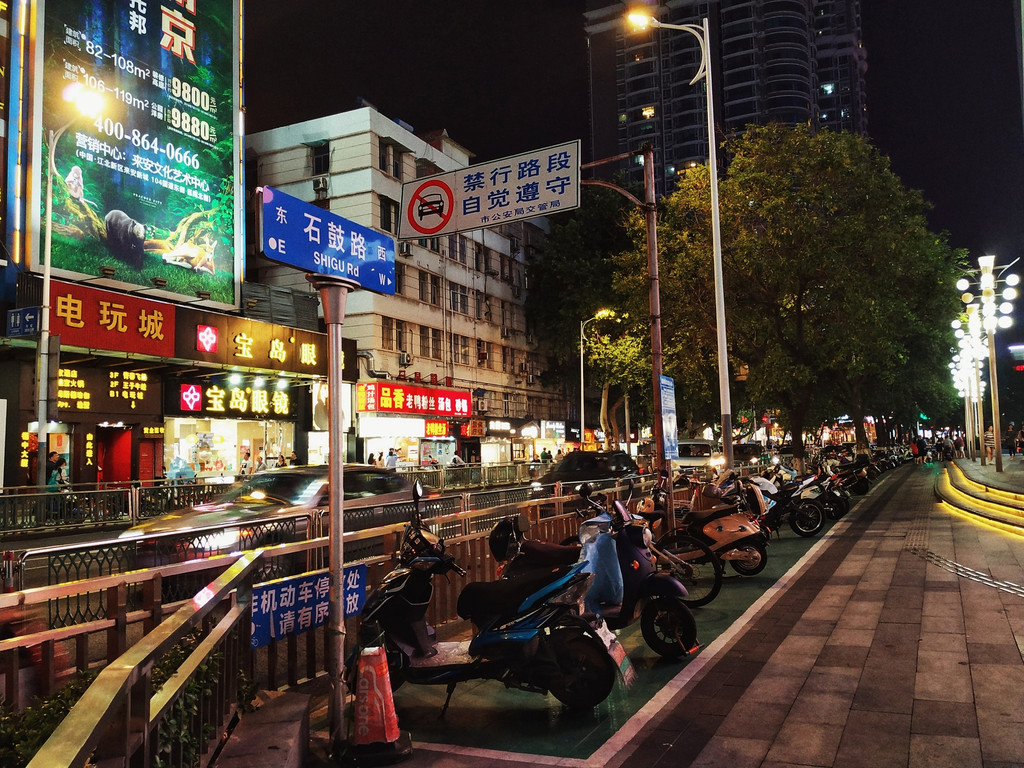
(119,717)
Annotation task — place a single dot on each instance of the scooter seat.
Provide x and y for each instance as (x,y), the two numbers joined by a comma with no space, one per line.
(706,515)
(484,601)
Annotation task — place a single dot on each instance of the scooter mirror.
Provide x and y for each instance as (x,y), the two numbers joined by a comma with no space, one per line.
(523,522)
(585,490)
(417,491)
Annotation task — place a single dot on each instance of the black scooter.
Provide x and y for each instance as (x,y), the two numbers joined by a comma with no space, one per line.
(529,634)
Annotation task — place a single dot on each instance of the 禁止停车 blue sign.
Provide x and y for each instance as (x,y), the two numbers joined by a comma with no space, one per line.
(302,235)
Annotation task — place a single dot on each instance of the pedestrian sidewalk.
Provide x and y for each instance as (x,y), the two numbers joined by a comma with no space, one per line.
(896,641)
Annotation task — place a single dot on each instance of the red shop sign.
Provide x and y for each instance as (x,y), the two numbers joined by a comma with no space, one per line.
(387,397)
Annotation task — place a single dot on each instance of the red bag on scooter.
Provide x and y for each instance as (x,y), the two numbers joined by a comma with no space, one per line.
(375,718)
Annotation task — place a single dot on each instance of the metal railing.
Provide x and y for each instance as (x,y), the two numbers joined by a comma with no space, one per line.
(119,717)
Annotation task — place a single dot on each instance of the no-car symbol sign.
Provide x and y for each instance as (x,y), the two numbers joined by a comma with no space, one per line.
(430,207)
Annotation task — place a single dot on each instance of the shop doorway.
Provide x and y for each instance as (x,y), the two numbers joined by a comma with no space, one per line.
(151,459)
(113,454)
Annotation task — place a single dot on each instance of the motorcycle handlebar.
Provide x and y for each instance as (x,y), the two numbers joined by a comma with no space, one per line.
(452,565)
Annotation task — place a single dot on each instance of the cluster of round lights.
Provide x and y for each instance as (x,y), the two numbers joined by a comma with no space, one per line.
(995,312)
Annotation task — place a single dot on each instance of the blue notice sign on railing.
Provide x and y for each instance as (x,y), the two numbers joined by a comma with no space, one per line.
(295,605)
(300,234)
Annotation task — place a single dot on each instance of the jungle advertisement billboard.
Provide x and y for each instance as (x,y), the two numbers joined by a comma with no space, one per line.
(147,183)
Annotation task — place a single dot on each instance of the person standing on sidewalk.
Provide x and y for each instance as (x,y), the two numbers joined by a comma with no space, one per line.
(990,443)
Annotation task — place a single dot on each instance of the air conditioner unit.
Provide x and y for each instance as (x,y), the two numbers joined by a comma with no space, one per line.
(482,406)
(404,358)
(405,249)
(505,332)
(320,184)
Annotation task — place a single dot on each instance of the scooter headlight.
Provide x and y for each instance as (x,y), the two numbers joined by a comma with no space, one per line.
(648,536)
(573,595)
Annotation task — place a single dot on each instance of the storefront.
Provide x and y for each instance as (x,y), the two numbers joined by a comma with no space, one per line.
(145,387)
(418,422)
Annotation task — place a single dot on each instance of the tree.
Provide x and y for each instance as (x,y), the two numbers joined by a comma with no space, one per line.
(822,247)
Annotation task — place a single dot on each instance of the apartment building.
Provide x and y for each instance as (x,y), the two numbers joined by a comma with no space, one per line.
(455,327)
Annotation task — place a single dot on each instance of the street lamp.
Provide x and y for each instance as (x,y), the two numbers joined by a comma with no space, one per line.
(642,21)
(994,314)
(601,314)
(87,103)
(966,368)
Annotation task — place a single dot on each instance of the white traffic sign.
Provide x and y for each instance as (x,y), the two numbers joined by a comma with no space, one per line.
(532,184)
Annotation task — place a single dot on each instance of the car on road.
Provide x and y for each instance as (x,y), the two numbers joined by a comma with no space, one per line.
(584,466)
(280,505)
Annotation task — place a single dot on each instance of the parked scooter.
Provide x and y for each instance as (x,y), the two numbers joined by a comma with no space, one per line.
(785,502)
(529,633)
(724,516)
(689,560)
(628,585)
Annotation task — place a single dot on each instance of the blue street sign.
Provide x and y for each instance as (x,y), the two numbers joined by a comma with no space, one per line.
(295,605)
(669,426)
(23,322)
(299,234)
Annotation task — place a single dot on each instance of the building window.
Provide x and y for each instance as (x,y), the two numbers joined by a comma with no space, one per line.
(460,349)
(401,339)
(508,358)
(320,157)
(435,343)
(399,278)
(388,215)
(483,354)
(387,339)
(459,298)
(435,290)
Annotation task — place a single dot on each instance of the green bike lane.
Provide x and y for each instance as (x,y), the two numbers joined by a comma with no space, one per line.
(485,715)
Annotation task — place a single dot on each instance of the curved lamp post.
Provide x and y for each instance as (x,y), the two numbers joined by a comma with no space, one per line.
(601,314)
(87,103)
(642,21)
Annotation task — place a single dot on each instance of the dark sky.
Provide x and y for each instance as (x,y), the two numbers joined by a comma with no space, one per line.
(506,76)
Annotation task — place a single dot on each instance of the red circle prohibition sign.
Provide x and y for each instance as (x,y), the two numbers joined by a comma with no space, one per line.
(431,207)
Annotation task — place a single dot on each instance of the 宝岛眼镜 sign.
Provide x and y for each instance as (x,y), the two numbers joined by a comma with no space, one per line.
(297,233)
(519,187)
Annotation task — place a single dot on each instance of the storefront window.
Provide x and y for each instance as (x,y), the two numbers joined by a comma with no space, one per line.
(214,447)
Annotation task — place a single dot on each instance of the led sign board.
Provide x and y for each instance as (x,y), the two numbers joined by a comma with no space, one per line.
(219,399)
(409,398)
(149,184)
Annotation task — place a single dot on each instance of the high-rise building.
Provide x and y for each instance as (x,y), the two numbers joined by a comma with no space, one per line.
(788,61)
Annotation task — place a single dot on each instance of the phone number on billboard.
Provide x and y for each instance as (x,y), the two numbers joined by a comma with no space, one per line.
(174,153)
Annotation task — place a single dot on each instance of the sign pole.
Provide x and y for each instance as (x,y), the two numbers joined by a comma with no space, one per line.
(333,296)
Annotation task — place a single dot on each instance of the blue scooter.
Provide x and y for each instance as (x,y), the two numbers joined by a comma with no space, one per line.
(627,584)
(529,632)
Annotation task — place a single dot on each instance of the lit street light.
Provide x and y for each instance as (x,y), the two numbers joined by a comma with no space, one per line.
(994,314)
(87,103)
(642,21)
(601,314)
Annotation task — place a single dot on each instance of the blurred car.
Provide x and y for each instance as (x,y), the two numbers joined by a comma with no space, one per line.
(749,454)
(696,454)
(582,466)
(279,494)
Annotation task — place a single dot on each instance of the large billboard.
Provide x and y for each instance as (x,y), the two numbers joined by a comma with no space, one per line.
(149,184)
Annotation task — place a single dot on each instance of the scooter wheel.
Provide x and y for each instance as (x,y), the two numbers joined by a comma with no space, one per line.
(806,519)
(757,560)
(587,672)
(668,627)
(700,570)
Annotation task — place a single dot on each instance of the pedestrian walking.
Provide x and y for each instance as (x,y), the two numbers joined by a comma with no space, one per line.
(392,460)
(990,443)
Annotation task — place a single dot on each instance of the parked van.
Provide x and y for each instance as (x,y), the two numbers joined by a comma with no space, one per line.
(696,454)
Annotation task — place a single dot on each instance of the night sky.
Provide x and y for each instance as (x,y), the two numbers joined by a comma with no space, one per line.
(505,77)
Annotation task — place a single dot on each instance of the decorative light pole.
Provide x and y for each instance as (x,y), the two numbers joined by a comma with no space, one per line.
(966,367)
(642,21)
(995,312)
(87,103)
(601,314)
